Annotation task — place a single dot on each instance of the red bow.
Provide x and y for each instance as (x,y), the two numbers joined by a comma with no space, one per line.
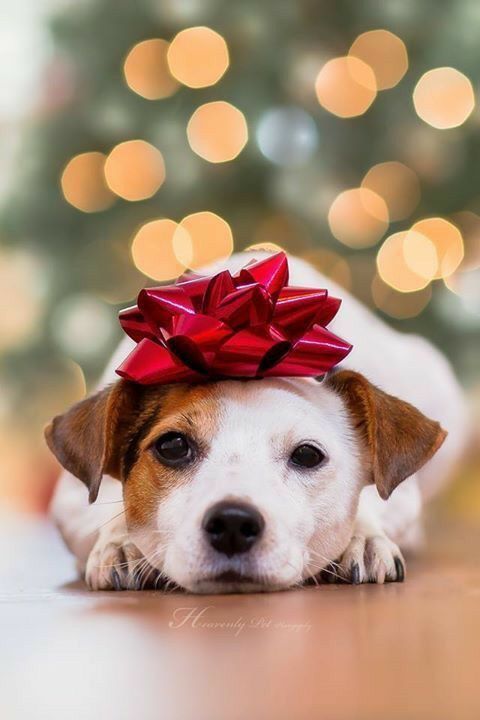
(249,325)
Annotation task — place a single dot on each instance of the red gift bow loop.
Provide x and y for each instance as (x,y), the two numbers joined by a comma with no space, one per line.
(195,286)
(218,288)
(150,363)
(314,354)
(271,273)
(135,325)
(297,308)
(161,305)
(250,305)
(196,339)
(328,311)
(245,352)
(248,325)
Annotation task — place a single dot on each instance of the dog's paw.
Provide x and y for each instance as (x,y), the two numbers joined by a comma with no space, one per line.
(115,563)
(374,559)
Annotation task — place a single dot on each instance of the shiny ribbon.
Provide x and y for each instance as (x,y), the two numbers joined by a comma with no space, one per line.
(249,325)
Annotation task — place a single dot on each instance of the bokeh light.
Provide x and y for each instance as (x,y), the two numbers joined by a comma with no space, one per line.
(420,254)
(447,241)
(397,304)
(83,183)
(397,184)
(135,170)
(287,136)
(358,217)
(444,98)
(202,238)
(346,86)
(146,70)
(467,286)
(393,268)
(77,386)
(303,124)
(198,57)
(469,224)
(152,250)
(269,247)
(83,327)
(217,131)
(385,53)
(61,383)
(301,73)
(22,295)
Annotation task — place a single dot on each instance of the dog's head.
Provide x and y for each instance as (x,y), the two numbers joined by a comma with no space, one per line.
(243,485)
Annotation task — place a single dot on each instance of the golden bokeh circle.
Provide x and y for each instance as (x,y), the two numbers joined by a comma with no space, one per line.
(135,170)
(83,183)
(358,217)
(447,241)
(397,184)
(217,131)
(393,268)
(269,247)
(152,250)
(146,70)
(469,224)
(385,53)
(21,297)
(401,306)
(198,57)
(444,98)
(420,254)
(202,238)
(346,87)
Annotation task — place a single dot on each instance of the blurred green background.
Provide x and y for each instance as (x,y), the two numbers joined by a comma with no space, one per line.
(141,138)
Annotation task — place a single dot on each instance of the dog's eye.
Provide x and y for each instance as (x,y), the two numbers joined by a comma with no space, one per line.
(307,456)
(173,448)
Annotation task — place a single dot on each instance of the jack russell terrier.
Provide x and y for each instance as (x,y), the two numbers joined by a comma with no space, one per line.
(241,486)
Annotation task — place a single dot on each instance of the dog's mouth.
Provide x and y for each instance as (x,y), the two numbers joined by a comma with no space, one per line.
(231,576)
(231,581)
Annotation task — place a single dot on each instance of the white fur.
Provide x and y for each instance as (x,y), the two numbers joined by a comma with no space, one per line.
(248,461)
(311,518)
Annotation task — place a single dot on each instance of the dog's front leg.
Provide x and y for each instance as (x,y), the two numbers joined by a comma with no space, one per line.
(373,553)
(115,562)
(97,535)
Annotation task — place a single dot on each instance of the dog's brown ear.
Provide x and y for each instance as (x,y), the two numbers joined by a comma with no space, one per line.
(82,439)
(399,438)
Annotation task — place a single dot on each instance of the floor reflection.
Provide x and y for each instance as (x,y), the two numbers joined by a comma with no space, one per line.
(335,651)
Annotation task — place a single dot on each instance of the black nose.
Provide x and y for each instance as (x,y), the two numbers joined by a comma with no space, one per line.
(232,528)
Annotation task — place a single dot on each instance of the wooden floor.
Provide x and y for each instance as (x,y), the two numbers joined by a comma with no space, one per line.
(358,653)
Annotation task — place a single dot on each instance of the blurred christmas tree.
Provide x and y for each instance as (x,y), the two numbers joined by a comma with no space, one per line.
(247,120)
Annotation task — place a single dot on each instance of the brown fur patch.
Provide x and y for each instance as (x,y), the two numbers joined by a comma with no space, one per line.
(192,410)
(399,439)
(111,433)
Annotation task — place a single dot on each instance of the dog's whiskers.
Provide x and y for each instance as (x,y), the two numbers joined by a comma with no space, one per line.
(324,558)
(325,566)
(96,530)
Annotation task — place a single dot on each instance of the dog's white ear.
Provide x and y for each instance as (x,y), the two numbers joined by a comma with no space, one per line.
(83,439)
(398,437)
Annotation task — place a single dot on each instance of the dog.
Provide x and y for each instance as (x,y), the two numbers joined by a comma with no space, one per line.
(247,486)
